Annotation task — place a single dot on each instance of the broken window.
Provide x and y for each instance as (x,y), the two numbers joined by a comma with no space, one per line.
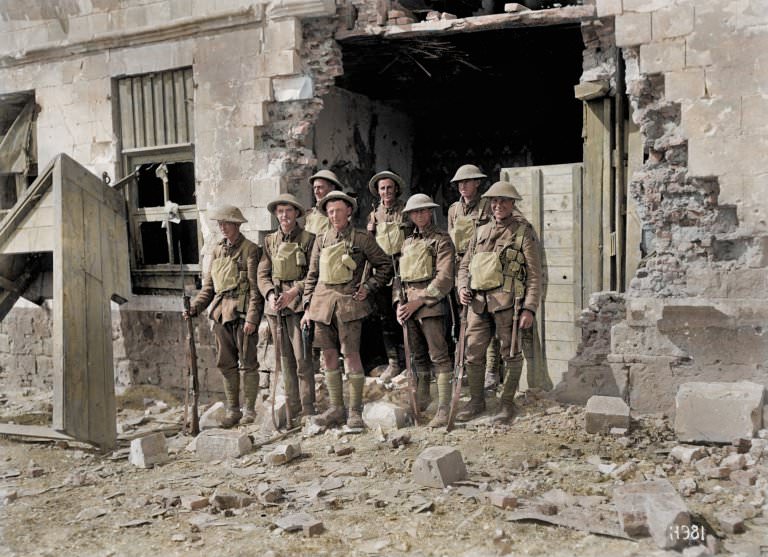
(156,130)
(18,159)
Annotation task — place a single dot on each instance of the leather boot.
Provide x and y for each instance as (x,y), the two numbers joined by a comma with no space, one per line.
(335,415)
(394,368)
(443,381)
(476,404)
(356,382)
(251,392)
(513,368)
(231,378)
(291,388)
(441,418)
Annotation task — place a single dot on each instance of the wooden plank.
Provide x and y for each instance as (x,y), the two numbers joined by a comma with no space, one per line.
(560,349)
(125,96)
(158,110)
(609,271)
(578,269)
(537,220)
(170,109)
(189,105)
(558,239)
(559,293)
(634,224)
(35,431)
(620,178)
(148,109)
(179,98)
(558,202)
(561,330)
(592,189)
(558,311)
(29,240)
(559,257)
(140,137)
(558,221)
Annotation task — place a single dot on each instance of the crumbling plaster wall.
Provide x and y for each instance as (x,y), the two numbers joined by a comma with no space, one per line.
(260,71)
(696,310)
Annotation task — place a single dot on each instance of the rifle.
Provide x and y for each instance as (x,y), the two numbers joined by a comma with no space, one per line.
(515,328)
(279,368)
(194,385)
(458,369)
(402,299)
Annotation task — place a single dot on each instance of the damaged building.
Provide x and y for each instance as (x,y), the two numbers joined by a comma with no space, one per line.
(635,129)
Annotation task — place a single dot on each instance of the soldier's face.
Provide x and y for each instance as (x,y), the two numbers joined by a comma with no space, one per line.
(468,189)
(286,216)
(421,217)
(321,187)
(387,191)
(502,207)
(338,213)
(229,230)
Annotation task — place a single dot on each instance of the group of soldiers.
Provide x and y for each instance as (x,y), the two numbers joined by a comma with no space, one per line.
(330,275)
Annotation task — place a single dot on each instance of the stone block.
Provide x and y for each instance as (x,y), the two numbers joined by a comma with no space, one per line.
(213,417)
(667,56)
(439,467)
(651,508)
(217,444)
(633,29)
(684,85)
(730,521)
(747,478)
(754,113)
(293,88)
(385,414)
(148,450)
(282,454)
(734,462)
(687,453)
(606,412)
(608,7)
(300,521)
(285,62)
(194,502)
(502,500)
(672,22)
(283,35)
(718,412)
(712,117)
(224,499)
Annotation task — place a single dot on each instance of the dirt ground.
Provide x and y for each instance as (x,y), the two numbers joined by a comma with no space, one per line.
(69,499)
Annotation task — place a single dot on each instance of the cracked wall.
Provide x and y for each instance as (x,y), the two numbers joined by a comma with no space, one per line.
(695,310)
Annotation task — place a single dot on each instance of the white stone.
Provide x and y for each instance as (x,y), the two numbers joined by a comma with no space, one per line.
(7,496)
(148,450)
(664,56)
(213,417)
(673,22)
(687,453)
(651,508)
(283,454)
(633,29)
(439,467)
(606,412)
(385,414)
(217,444)
(293,88)
(718,412)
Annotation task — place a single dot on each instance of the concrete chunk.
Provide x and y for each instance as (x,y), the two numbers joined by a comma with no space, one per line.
(384,414)
(300,521)
(283,454)
(651,508)
(216,444)
(439,467)
(718,412)
(606,412)
(148,450)
(687,453)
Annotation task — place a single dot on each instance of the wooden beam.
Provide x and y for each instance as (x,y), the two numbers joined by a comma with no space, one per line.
(37,431)
(589,90)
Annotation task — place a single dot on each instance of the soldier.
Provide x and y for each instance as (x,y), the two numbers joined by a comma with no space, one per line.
(427,276)
(236,307)
(389,226)
(322,182)
(281,272)
(499,275)
(464,216)
(336,299)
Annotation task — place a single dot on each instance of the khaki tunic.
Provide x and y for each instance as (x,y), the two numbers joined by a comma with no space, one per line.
(316,222)
(432,291)
(322,300)
(426,328)
(461,209)
(223,305)
(266,284)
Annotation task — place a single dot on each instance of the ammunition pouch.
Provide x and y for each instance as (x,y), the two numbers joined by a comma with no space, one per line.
(417,262)
(462,232)
(336,266)
(486,271)
(390,237)
(224,273)
(513,263)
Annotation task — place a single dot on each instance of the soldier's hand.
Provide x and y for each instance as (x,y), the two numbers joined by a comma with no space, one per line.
(465,297)
(306,322)
(285,299)
(405,311)
(187,314)
(371,227)
(526,319)
(361,294)
(272,300)
(249,328)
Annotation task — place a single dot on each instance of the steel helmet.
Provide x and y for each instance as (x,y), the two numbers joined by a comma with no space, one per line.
(285,199)
(327,175)
(419,201)
(226,213)
(503,189)
(373,185)
(335,196)
(468,172)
